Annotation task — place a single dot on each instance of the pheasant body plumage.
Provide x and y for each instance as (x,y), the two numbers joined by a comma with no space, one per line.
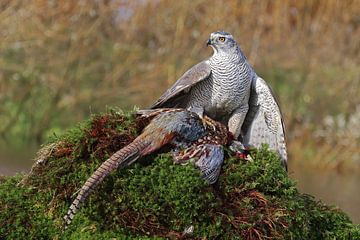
(191,138)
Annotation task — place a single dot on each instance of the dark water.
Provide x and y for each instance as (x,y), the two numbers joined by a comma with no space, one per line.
(14,161)
(341,190)
(332,188)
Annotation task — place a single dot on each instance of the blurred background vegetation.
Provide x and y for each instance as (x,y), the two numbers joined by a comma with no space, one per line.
(60,61)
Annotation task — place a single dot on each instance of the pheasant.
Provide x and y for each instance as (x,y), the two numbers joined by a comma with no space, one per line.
(192,139)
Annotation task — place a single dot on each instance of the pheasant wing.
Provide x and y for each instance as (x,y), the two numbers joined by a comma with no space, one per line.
(210,162)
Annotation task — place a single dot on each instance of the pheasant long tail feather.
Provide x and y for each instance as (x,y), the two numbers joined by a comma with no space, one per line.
(121,158)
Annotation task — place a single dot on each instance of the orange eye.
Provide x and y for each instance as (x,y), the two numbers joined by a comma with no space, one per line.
(221,39)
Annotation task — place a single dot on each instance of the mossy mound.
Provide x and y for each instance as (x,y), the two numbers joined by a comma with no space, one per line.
(155,199)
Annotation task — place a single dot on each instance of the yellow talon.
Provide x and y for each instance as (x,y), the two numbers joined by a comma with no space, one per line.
(209,123)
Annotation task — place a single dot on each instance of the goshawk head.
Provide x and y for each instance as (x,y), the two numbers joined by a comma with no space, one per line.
(222,42)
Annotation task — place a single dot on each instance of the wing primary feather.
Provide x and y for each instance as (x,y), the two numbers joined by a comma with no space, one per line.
(264,123)
(176,94)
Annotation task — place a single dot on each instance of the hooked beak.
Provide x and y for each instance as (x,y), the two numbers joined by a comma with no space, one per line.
(208,42)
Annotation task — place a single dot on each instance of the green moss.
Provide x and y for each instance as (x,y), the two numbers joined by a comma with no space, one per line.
(155,199)
(24,212)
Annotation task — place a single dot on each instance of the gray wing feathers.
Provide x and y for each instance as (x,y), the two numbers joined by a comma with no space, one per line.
(264,123)
(194,75)
(210,161)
